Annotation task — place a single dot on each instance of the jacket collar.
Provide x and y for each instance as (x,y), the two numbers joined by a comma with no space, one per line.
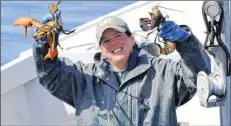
(143,63)
(132,61)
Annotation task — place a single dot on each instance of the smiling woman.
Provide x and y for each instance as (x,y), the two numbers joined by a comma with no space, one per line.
(74,13)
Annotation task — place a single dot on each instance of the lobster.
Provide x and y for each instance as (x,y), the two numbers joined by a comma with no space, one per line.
(156,18)
(49,30)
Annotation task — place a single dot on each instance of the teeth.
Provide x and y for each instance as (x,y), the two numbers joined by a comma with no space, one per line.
(117,50)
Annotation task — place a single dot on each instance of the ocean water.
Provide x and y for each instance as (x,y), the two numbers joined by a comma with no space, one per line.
(74,13)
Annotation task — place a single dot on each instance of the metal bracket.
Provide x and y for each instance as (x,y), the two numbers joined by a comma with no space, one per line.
(214,83)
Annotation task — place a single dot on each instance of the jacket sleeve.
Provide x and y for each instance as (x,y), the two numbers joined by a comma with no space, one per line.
(184,72)
(193,60)
(62,78)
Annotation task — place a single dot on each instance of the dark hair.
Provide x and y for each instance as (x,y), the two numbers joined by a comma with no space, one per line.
(128,33)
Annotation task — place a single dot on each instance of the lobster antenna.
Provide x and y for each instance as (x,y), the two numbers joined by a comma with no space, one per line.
(29,16)
(58,2)
(171,9)
(158,4)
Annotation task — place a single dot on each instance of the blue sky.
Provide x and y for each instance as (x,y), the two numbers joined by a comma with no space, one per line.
(74,13)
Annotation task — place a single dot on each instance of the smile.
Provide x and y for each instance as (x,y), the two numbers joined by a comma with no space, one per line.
(117,50)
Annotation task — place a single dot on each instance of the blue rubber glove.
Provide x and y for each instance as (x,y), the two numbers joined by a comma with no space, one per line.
(169,30)
(49,17)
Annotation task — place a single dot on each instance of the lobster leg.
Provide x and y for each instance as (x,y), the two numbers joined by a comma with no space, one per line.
(53,41)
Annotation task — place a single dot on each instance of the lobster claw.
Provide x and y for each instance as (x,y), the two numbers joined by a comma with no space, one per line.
(25,21)
(51,54)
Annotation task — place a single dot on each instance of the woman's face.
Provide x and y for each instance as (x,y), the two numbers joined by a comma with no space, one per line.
(116,46)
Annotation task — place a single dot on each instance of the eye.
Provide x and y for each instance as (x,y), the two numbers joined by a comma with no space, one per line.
(105,41)
(118,35)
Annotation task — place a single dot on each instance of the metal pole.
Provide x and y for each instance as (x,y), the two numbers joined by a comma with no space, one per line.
(225,110)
